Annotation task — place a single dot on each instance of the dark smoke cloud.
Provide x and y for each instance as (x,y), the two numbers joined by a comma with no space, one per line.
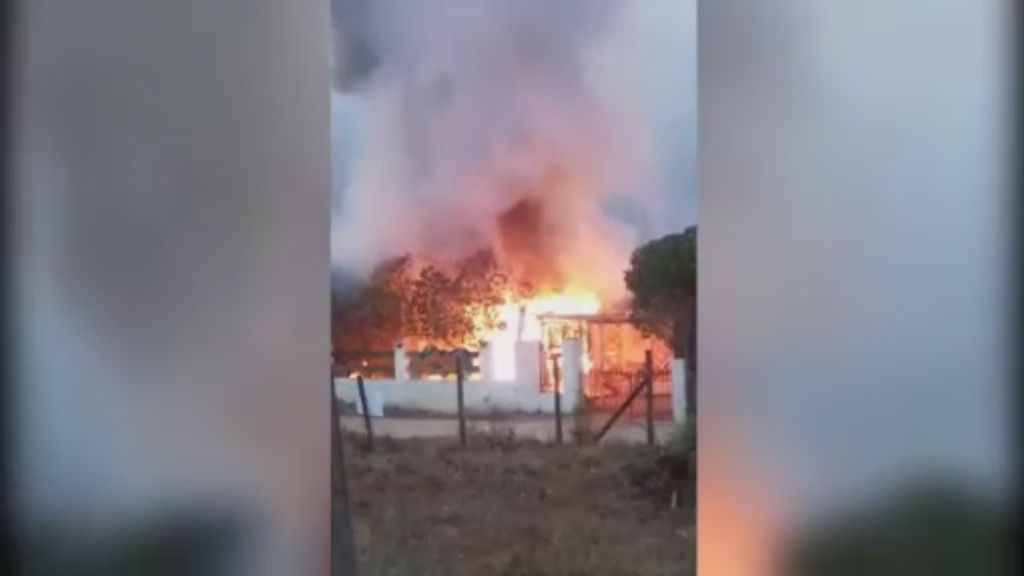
(462,109)
(373,33)
(353,51)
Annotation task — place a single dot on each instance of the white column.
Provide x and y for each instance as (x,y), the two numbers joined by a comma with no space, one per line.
(679,389)
(527,364)
(572,374)
(488,373)
(401,365)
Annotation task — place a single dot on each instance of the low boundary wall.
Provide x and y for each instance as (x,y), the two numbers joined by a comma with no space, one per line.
(486,393)
(439,396)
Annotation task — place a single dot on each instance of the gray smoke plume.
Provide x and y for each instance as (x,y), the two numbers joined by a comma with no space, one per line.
(448,113)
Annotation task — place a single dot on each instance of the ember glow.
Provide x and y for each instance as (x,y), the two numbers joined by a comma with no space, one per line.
(519,321)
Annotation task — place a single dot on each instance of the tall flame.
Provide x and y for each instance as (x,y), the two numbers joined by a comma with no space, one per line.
(520,321)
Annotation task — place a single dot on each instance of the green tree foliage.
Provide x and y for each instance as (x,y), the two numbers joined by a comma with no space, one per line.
(662,277)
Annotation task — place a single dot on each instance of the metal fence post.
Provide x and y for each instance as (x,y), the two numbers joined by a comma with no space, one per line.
(622,409)
(557,391)
(459,377)
(366,412)
(343,556)
(649,375)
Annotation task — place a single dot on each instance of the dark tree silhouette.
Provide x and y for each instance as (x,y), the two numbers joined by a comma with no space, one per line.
(662,277)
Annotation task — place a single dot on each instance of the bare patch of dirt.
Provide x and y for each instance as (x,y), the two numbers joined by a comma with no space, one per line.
(509,507)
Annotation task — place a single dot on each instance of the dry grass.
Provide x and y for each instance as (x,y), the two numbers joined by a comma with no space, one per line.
(506,507)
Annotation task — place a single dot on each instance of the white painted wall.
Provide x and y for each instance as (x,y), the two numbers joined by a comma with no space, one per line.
(485,395)
(401,364)
(528,364)
(440,395)
(572,374)
(679,389)
(490,395)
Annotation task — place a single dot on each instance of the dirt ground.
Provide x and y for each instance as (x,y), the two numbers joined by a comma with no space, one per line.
(509,507)
(525,427)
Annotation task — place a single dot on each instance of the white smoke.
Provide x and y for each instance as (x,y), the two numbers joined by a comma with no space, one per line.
(447,113)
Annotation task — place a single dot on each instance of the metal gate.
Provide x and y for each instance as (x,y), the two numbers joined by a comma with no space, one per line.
(609,389)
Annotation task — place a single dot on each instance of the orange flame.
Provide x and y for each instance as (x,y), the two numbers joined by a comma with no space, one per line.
(520,321)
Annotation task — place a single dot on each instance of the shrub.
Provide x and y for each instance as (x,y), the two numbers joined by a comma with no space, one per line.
(668,469)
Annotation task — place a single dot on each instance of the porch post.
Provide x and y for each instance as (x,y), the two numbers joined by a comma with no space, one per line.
(572,374)
(487,368)
(679,389)
(401,365)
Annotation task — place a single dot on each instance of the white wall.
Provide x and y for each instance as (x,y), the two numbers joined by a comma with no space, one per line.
(440,396)
(679,389)
(520,395)
(486,395)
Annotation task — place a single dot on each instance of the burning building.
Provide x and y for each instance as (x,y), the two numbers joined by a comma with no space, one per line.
(489,146)
(520,291)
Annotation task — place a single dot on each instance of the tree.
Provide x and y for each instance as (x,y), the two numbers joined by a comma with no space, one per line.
(371,315)
(454,307)
(442,305)
(434,313)
(662,277)
(481,287)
